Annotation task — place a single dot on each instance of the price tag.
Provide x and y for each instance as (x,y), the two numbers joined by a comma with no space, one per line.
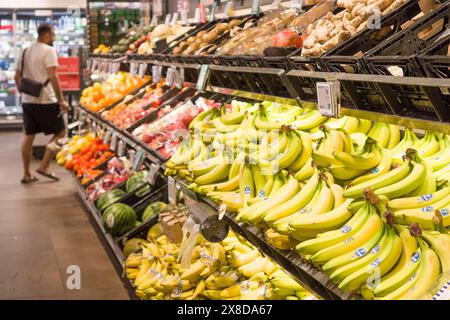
(170,76)
(142,70)
(154,21)
(107,136)
(94,65)
(133,68)
(197,15)
(116,67)
(184,16)
(256,6)
(228,11)
(156,73)
(89,64)
(202,77)
(172,191)
(120,148)
(131,155)
(174,19)
(168,19)
(154,169)
(178,79)
(138,159)
(113,145)
(213,12)
(328,98)
(275,3)
(222,210)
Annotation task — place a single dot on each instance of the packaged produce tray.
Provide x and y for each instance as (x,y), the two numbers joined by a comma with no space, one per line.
(425,33)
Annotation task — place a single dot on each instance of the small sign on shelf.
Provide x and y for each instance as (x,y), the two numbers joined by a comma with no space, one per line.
(328,101)
(202,77)
(153,173)
(172,191)
(138,159)
(142,70)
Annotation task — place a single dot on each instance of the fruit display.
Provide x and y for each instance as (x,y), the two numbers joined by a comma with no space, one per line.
(93,152)
(117,171)
(203,41)
(300,177)
(125,114)
(102,49)
(117,86)
(163,134)
(162,32)
(230,270)
(73,146)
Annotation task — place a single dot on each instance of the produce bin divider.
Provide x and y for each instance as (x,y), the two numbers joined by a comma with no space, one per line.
(435,60)
(305,63)
(409,65)
(346,64)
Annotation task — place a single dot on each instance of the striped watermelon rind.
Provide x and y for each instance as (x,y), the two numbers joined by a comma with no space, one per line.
(119,218)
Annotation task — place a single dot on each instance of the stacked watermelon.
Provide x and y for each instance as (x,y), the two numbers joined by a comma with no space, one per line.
(119,218)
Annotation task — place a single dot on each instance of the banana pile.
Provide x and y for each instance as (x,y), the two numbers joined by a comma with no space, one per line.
(232,269)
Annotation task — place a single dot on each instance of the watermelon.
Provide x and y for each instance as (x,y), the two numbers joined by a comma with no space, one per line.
(108,198)
(136,180)
(152,210)
(119,218)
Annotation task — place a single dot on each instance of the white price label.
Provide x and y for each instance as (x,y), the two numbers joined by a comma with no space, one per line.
(256,6)
(297,4)
(113,145)
(197,15)
(116,67)
(172,191)
(213,12)
(168,19)
(174,19)
(154,21)
(138,159)
(275,3)
(133,69)
(107,136)
(178,78)
(222,210)
(131,155)
(94,65)
(89,64)
(170,76)
(156,73)
(202,77)
(153,173)
(227,12)
(120,148)
(327,98)
(142,70)
(184,16)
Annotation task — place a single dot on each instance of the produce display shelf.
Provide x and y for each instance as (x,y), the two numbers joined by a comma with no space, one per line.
(314,279)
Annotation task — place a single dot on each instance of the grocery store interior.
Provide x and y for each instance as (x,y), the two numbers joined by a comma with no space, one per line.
(225,150)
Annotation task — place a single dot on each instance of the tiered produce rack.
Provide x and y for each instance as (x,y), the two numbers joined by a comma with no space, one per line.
(419,100)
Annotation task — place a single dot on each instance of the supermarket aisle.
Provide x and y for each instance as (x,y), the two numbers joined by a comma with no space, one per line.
(43,230)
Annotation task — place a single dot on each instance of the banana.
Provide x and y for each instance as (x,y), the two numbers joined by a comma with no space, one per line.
(398,151)
(339,123)
(364,126)
(306,152)
(194,271)
(366,161)
(308,121)
(428,184)
(288,157)
(270,268)
(240,259)
(371,227)
(442,158)
(229,185)
(427,274)
(263,123)
(409,247)
(281,280)
(386,179)
(383,263)
(429,147)
(338,194)
(323,222)
(386,286)
(409,183)
(344,265)
(342,172)
(381,133)
(255,213)
(254,267)
(297,202)
(424,215)
(397,293)
(351,125)
(221,280)
(217,174)
(193,151)
(330,238)
(203,117)
(306,172)
(267,188)
(258,179)
(394,137)
(246,184)
(382,168)
(202,167)
(212,294)
(440,242)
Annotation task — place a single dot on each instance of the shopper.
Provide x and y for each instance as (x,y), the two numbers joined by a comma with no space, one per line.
(42,111)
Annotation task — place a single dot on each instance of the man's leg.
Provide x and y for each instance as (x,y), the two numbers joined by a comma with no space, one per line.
(48,155)
(27,147)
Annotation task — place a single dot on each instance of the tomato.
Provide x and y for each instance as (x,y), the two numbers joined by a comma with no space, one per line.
(69,165)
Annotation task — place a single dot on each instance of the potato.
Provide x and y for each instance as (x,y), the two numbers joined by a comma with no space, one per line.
(234,23)
(177,50)
(201,34)
(190,40)
(198,42)
(212,36)
(183,45)
(188,51)
(205,37)
(222,27)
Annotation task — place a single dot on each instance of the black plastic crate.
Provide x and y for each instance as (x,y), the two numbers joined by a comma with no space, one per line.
(435,60)
(404,66)
(304,63)
(408,41)
(251,61)
(345,64)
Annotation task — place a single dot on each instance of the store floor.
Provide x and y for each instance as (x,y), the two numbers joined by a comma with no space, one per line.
(43,230)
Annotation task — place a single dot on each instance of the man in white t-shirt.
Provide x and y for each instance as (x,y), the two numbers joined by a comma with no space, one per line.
(43,113)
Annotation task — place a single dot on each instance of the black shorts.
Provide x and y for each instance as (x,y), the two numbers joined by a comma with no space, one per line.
(44,118)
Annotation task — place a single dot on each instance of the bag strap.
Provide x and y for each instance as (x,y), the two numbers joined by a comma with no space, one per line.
(22,67)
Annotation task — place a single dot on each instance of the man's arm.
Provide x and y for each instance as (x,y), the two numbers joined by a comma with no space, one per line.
(57,88)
